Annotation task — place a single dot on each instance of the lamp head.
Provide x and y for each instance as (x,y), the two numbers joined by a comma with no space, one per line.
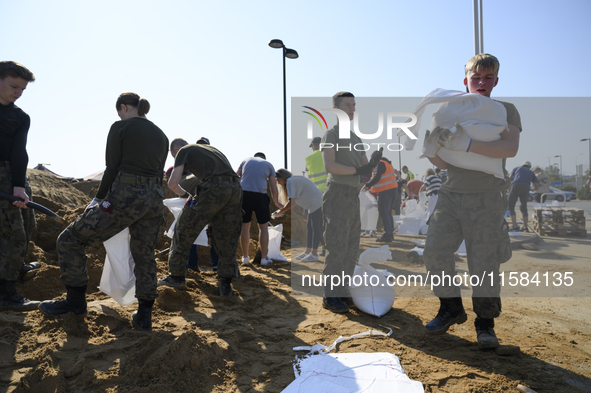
(276,44)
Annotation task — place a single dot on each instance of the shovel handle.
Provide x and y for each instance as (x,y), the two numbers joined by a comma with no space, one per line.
(35,206)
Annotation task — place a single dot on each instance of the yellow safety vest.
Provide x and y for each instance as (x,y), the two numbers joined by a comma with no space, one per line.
(316,172)
(388,179)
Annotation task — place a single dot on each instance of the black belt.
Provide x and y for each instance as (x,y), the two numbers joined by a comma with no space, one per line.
(127,178)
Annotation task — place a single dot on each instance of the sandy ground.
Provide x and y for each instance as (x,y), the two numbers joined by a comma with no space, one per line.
(203,343)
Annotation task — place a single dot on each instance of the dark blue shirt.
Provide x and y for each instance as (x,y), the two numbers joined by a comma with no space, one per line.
(523,174)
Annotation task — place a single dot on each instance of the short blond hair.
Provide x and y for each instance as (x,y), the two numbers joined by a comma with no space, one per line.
(483,61)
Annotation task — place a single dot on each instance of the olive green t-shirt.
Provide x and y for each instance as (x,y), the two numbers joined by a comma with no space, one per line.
(466,181)
(204,162)
(345,154)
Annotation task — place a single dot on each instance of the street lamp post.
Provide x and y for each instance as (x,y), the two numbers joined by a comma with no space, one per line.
(588,139)
(291,54)
(561,182)
(578,175)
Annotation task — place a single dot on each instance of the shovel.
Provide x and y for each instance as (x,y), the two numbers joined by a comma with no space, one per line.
(35,206)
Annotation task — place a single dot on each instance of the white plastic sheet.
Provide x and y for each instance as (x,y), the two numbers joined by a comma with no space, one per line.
(370,289)
(274,251)
(118,278)
(175,205)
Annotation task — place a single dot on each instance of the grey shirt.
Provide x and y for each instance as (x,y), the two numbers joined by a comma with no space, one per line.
(255,172)
(304,193)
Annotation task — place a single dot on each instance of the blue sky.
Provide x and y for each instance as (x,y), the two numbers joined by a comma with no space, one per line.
(207,70)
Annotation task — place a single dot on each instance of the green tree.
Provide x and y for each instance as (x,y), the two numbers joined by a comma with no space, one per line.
(584,193)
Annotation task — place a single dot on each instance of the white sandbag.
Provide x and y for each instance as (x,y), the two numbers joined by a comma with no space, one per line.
(368,205)
(274,251)
(424,228)
(412,208)
(118,278)
(418,250)
(370,288)
(352,373)
(411,226)
(175,205)
(418,243)
(483,119)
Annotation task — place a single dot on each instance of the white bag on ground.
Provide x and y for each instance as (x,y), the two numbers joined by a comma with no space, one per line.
(274,251)
(412,208)
(352,373)
(321,371)
(411,226)
(175,205)
(369,288)
(118,278)
(368,204)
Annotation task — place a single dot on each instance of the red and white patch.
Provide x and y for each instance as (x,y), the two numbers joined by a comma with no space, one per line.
(106,206)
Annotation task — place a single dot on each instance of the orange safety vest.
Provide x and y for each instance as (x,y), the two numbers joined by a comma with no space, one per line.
(388,179)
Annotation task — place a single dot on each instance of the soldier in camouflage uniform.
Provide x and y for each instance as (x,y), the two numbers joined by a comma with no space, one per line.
(471,207)
(340,205)
(130,196)
(14,127)
(218,202)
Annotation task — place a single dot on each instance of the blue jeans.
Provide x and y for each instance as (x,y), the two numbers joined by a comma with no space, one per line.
(194,257)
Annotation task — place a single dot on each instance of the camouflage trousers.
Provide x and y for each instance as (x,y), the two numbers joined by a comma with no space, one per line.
(218,201)
(13,240)
(341,229)
(479,220)
(29,221)
(138,207)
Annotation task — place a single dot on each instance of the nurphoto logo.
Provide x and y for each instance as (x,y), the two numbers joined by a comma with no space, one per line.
(345,128)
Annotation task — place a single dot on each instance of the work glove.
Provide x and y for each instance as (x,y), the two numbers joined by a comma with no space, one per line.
(431,143)
(367,169)
(458,141)
(91,204)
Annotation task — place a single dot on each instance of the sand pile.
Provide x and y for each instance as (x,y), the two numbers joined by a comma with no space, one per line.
(204,343)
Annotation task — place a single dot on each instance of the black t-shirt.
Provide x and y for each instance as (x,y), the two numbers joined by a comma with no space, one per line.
(14,127)
(136,146)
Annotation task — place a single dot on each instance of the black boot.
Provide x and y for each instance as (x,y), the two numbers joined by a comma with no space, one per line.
(75,302)
(335,304)
(11,300)
(385,238)
(451,311)
(28,271)
(485,333)
(173,281)
(142,318)
(226,287)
